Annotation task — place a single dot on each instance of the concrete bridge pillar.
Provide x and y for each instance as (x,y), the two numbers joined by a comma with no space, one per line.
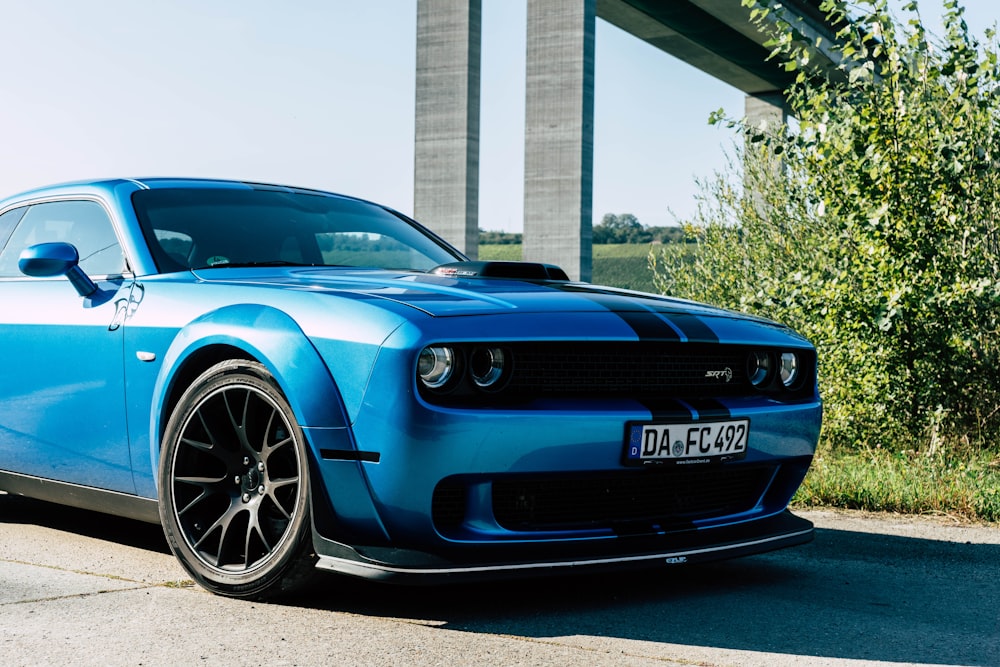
(446,153)
(559,134)
(766,110)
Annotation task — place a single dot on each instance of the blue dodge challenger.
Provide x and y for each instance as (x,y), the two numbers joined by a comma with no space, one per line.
(290,380)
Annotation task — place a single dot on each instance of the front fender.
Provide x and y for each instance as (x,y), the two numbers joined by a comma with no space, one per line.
(274,339)
(271,337)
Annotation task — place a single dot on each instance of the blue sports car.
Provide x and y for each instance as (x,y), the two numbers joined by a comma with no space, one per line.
(290,380)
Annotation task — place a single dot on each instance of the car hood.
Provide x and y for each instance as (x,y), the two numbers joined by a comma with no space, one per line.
(443,296)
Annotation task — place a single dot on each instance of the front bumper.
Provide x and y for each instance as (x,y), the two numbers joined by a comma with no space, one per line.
(483,562)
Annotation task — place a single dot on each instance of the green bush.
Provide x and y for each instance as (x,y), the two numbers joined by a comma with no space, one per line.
(871,225)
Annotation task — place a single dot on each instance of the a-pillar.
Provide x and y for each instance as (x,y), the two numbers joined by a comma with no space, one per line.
(446,152)
(559,134)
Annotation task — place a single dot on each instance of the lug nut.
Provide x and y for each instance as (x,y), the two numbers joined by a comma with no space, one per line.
(246,497)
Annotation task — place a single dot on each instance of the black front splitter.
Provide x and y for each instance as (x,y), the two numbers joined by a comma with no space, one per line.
(462,563)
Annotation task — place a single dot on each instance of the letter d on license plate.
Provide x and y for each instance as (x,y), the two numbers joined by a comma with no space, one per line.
(697,442)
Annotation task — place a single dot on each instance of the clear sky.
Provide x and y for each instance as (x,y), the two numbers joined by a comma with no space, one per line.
(320,93)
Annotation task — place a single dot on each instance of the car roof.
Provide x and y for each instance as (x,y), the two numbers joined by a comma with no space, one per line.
(158,182)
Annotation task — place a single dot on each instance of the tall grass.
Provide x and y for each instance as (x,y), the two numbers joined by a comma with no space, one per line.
(878,480)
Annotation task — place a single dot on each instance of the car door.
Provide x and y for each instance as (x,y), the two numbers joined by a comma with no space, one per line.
(62,393)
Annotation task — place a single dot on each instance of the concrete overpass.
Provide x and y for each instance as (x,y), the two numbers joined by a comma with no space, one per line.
(716,36)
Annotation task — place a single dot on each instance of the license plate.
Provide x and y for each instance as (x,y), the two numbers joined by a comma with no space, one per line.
(698,442)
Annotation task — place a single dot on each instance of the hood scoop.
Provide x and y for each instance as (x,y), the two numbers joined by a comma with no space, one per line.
(515,270)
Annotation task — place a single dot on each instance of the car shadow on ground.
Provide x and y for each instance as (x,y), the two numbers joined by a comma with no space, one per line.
(847,595)
(138,534)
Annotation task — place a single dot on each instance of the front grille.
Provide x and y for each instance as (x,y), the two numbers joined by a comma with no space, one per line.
(639,369)
(665,497)
(655,371)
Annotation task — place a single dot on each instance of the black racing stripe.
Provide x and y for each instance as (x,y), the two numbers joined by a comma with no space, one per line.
(693,327)
(646,324)
(667,409)
(709,408)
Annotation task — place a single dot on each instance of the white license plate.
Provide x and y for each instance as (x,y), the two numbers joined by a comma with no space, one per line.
(698,442)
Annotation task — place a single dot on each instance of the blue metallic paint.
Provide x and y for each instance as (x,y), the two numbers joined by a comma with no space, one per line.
(79,379)
(342,345)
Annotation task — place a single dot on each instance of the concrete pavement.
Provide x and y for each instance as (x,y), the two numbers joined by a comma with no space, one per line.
(89,589)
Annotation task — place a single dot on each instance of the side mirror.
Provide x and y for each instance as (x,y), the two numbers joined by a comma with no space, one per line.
(46,260)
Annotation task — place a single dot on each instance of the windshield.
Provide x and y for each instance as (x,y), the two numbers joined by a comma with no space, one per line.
(193,228)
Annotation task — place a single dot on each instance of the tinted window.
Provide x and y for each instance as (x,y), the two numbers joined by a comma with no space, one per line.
(84,224)
(205,227)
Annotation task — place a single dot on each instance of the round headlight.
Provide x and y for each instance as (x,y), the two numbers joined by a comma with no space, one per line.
(435,366)
(789,368)
(486,366)
(759,368)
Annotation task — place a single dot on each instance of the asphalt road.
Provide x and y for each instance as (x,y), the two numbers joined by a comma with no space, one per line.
(84,588)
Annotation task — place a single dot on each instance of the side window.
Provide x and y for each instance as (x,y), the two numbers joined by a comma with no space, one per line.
(7,222)
(85,224)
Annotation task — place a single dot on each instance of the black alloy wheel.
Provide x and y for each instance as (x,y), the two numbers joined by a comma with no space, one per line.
(234,484)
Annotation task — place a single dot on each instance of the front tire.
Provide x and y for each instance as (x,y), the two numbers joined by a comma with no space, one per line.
(234,484)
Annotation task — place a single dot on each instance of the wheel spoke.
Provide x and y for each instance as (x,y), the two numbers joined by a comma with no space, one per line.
(181,511)
(255,529)
(197,444)
(208,432)
(278,483)
(274,487)
(204,482)
(239,425)
(264,447)
(207,486)
(270,449)
(221,524)
(229,533)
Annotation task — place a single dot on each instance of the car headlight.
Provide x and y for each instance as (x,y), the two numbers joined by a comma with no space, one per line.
(435,366)
(486,365)
(789,368)
(759,368)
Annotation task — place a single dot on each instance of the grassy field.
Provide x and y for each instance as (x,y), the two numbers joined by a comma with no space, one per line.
(617,265)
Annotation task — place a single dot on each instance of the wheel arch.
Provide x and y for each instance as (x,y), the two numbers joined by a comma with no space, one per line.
(189,369)
(254,333)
